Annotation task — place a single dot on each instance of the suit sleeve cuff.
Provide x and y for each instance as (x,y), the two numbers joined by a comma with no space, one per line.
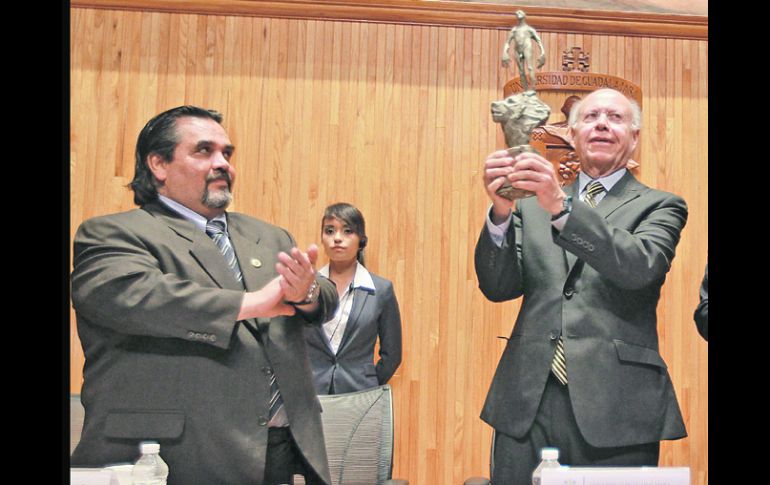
(498,232)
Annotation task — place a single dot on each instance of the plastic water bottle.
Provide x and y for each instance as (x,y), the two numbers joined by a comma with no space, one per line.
(549,459)
(149,469)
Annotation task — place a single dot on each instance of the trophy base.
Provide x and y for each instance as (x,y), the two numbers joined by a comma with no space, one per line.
(507,191)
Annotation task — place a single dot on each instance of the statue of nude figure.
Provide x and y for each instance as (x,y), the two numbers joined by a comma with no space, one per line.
(522,36)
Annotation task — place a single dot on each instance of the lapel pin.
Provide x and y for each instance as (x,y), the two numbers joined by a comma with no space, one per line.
(256,263)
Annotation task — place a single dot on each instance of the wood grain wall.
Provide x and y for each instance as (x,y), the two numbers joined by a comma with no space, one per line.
(395,119)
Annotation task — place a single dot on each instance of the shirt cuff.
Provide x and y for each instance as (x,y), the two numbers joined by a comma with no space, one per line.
(559,223)
(498,232)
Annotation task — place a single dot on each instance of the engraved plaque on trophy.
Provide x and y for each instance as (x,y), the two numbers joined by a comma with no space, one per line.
(521,113)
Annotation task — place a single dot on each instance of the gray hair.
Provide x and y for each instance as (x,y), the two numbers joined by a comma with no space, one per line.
(636,114)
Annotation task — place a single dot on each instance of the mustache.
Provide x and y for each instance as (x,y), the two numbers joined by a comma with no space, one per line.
(219,174)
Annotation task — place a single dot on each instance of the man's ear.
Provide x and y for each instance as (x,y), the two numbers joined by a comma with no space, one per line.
(157,166)
(635,136)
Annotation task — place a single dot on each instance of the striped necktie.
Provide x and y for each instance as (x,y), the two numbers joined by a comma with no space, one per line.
(216,231)
(276,401)
(559,364)
(592,191)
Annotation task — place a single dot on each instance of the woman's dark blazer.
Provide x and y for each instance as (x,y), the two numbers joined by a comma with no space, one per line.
(374,313)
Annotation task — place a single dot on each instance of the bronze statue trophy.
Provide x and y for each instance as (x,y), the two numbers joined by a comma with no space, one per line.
(521,113)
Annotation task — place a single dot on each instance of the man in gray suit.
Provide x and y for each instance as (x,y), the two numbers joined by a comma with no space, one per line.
(196,340)
(581,371)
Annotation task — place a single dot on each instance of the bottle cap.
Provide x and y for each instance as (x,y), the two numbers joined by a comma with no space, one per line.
(549,453)
(149,447)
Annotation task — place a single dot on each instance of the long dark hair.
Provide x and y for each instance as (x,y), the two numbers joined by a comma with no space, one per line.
(159,136)
(353,218)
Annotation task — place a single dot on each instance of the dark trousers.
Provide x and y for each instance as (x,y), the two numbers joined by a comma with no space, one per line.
(284,460)
(514,460)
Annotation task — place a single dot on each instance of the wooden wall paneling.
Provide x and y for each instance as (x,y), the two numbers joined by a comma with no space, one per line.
(196,61)
(274,123)
(314,102)
(418,189)
(700,241)
(342,95)
(306,153)
(390,221)
(444,50)
(293,187)
(252,137)
(672,349)
(454,381)
(238,101)
(394,119)
(163,50)
(294,172)
(172,87)
(435,12)
(101,171)
(444,217)
(654,137)
(696,122)
(413,172)
(79,117)
(486,53)
(77,176)
(409,175)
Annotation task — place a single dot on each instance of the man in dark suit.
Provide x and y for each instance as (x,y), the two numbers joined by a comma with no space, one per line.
(191,340)
(581,371)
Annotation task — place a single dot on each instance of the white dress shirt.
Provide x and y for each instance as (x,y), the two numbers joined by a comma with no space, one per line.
(334,329)
(191,215)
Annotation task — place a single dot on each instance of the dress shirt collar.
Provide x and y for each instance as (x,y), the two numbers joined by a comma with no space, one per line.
(362,278)
(607,181)
(189,214)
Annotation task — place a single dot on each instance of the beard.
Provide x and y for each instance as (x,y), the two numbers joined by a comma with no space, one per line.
(218,199)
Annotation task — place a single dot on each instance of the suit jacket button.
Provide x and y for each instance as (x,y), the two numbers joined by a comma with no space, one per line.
(262,421)
(554,334)
(569,292)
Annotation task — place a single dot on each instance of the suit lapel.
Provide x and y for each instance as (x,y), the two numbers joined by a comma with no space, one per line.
(624,191)
(201,247)
(322,335)
(256,261)
(360,297)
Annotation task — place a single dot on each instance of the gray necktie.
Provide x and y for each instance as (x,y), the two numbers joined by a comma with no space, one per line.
(216,231)
(559,364)
(276,401)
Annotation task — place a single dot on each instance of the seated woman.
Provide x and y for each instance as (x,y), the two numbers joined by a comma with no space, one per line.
(342,350)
